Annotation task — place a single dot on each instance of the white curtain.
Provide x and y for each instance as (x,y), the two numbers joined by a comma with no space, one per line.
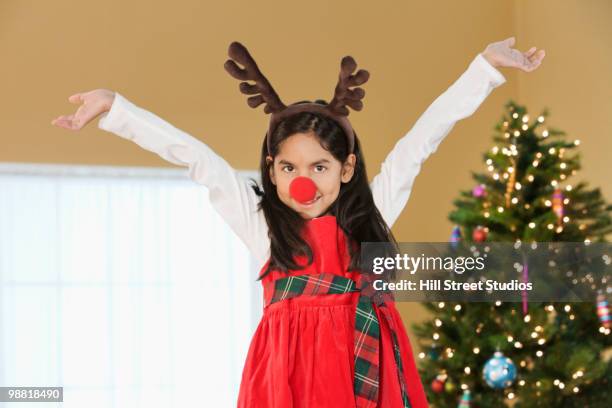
(122,285)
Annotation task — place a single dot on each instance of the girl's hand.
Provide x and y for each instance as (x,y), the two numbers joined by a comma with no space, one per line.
(499,54)
(92,104)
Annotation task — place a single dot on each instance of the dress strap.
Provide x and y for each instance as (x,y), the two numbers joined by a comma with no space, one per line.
(367,326)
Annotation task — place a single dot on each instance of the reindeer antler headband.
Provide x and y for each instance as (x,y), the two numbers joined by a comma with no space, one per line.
(263,91)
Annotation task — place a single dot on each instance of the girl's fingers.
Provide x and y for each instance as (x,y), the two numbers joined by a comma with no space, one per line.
(76,98)
(541,55)
(536,60)
(530,52)
(532,60)
(532,55)
(534,64)
(64,121)
(65,117)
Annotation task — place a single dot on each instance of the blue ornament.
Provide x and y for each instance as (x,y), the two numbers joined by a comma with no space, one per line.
(455,237)
(434,353)
(499,371)
(466,399)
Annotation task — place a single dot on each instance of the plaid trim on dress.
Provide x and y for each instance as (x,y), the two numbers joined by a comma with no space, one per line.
(367,327)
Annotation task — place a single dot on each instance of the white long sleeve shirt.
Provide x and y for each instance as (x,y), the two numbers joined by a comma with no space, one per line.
(235,200)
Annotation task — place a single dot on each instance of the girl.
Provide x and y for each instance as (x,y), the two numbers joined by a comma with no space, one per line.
(304,226)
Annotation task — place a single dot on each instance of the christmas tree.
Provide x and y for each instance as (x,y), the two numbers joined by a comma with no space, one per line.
(498,354)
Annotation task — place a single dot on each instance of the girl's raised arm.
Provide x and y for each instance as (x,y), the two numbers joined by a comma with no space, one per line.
(230,194)
(391,188)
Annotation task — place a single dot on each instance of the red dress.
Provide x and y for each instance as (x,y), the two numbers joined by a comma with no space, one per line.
(302,356)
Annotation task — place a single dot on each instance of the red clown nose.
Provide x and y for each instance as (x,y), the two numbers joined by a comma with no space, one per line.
(302,189)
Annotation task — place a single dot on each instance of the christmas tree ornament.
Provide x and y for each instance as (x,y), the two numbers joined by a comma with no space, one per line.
(603,311)
(557,204)
(449,386)
(437,385)
(479,234)
(466,400)
(479,191)
(434,353)
(499,371)
(455,237)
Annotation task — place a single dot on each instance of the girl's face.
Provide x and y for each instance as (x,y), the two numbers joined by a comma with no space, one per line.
(301,154)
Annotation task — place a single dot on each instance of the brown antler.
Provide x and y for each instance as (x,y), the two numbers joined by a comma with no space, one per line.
(345,96)
(262,89)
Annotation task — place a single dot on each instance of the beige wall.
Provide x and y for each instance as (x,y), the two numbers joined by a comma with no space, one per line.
(168,58)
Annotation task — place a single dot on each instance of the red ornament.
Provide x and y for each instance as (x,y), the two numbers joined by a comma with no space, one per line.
(302,189)
(479,234)
(437,386)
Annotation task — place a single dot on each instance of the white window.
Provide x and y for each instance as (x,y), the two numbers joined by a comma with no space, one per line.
(122,285)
